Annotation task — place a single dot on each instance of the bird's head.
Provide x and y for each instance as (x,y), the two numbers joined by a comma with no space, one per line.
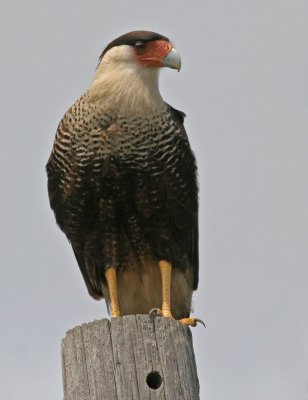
(126,77)
(142,49)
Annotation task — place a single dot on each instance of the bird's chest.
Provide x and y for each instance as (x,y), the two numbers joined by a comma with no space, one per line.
(149,145)
(135,159)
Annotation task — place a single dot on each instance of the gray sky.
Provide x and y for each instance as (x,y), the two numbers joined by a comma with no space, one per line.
(243,86)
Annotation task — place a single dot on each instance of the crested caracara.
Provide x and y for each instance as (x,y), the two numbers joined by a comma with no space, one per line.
(122,183)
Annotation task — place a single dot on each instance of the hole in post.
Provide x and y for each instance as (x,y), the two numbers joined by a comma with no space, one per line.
(154,380)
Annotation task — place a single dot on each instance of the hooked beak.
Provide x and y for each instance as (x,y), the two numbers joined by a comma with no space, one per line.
(172,60)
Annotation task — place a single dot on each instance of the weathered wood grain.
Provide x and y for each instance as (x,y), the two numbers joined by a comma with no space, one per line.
(105,360)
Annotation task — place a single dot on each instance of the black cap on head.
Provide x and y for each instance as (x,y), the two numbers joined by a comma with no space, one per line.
(131,38)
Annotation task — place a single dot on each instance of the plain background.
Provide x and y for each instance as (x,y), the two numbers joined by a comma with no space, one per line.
(243,86)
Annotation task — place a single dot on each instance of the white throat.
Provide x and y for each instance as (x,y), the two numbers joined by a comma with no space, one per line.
(124,86)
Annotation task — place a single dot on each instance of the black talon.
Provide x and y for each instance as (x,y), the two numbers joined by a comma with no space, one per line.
(201,322)
(155,312)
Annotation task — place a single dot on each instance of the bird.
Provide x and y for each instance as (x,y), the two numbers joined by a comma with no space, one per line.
(122,183)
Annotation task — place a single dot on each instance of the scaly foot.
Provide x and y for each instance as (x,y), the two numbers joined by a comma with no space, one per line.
(192,321)
(156,312)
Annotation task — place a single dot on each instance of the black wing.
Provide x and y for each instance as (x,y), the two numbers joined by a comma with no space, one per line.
(189,203)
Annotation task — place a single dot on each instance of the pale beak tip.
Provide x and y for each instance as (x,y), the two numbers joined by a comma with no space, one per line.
(172,60)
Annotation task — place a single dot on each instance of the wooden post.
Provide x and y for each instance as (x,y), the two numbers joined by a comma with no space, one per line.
(135,357)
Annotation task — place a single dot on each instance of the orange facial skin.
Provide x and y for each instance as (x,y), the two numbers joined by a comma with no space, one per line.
(153,53)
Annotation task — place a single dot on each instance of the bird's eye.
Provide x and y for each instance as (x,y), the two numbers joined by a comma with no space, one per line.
(140,45)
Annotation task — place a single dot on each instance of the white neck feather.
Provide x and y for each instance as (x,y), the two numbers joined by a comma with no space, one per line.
(125,87)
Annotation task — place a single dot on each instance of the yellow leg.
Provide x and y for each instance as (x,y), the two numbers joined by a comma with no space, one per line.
(111,277)
(165,272)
